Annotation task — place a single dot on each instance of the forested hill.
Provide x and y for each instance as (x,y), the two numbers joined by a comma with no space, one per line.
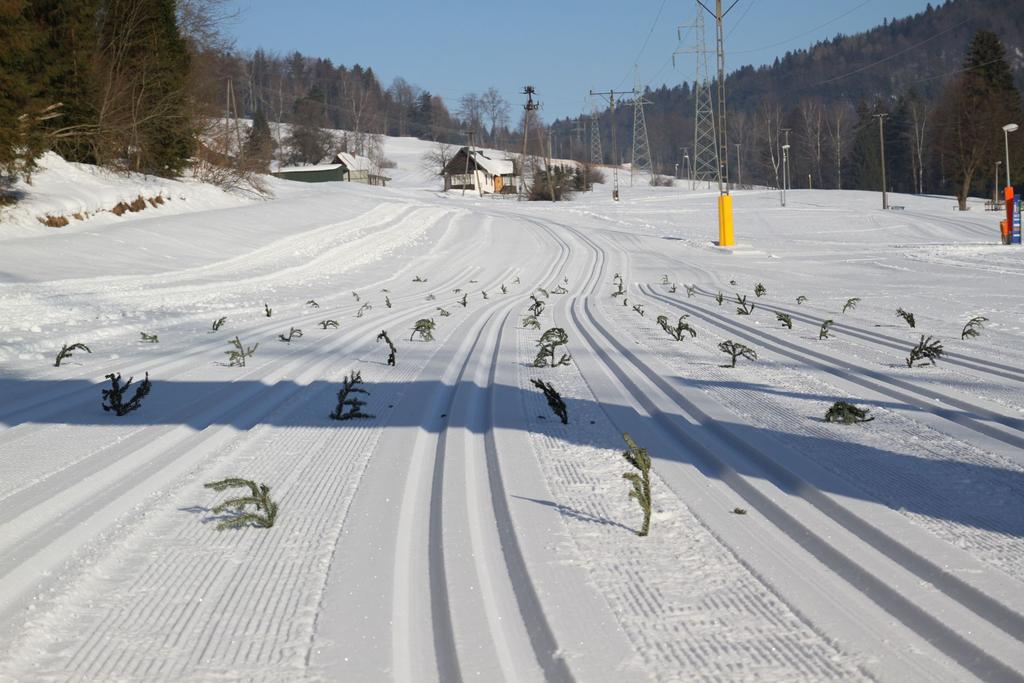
(915,52)
(826,94)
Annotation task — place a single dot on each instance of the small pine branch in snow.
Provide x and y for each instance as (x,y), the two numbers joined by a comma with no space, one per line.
(516,280)
(430,297)
(617,281)
(625,301)
(267,310)
(384,336)
(641,480)
(259,497)
(639,308)
(929,350)
(800,300)
(457,290)
(760,290)
(971,329)
(443,312)
(664,279)
(504,289)
(847,413)
(673,288)
(720,298)
(537,307)
(681,328)
(349,405)
(67,350)
(825,327)
(115,394)
(851,304)
(419,279)
(463,301)
(690,290)
(387,301)
(237,356)
(324,324)
(549,343)
(530,322)
(737,350)
(559,290)
(545,292)
(293,333)
(744,308)
(784,319)
(909,317)
(425,328)
(733,283)
(555,401)
(218,323)
(363,309)
(149,338)
(356,295)
(312,304)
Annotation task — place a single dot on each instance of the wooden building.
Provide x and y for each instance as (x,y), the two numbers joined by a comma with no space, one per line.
(344,167)
(475,171)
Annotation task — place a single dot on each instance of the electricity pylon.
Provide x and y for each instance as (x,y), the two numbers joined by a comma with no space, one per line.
(616,156)
(705,144)
(596,155)
(530,107)
(641,161)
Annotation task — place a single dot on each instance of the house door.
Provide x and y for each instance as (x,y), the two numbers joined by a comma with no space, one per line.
(497,183)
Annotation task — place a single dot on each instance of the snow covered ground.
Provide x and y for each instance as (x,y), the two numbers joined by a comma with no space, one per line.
(463,532)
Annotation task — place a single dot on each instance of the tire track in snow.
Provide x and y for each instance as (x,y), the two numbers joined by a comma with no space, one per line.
(951,642)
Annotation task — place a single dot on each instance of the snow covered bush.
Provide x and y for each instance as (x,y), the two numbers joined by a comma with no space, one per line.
(971,329)
(641,480)
(67,350)
(678,331)
(929,350)
(425,328)
(549,343)
(115,395)
(737,350)
(555,401)
(760,290)
(530,322)
(537,307)
(784,319)
(293,333)
(259,497)
(847,413)
(237,356)
(349,405)
(383,336)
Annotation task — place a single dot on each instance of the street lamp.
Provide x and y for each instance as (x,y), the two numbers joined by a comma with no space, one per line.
(1007,129)
(785,171)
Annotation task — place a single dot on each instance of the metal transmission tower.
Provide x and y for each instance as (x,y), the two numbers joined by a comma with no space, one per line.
(596,154)
(705,144)
(641,161)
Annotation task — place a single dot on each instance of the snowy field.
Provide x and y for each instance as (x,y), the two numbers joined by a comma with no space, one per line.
(463,532)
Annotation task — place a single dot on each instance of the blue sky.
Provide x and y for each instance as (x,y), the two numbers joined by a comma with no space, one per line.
(563,48)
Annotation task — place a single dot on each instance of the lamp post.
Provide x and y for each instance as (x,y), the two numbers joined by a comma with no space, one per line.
(995,188)
(785,171)
(1007,129)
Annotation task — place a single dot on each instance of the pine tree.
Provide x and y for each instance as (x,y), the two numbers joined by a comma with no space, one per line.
(18,40)
(259,144)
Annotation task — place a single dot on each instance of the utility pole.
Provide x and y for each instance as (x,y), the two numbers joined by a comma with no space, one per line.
(995,188)
(528,108)
(785,165)
(469,146)
(881,143)
(616,156)
(785,174)
(739,168)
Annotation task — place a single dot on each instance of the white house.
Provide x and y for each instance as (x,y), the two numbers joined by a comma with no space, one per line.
(474,170)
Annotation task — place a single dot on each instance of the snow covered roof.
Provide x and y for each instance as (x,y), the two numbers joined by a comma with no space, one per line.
(352,162)
(492,166)
(320,167)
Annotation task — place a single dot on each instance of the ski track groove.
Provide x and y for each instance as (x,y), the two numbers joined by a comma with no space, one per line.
(963,651)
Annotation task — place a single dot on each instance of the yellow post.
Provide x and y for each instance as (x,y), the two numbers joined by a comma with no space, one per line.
(725,236)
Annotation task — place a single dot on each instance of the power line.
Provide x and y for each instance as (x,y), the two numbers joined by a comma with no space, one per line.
(643,47)
(800,35)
